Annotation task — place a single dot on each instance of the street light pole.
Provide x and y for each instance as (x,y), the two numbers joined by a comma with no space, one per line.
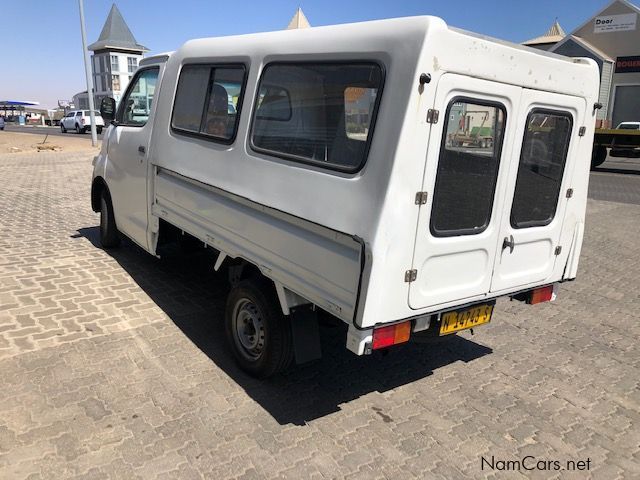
(87,70)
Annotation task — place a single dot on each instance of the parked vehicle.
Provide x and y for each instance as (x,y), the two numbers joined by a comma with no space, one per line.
(80,121)
(629,126)
(332,183)
(623,141)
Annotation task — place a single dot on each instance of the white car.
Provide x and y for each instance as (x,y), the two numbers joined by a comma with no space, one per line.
(80,121)
(628,126)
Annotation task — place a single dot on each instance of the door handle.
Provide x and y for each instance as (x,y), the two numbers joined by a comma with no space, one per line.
(508,242)
(141,149)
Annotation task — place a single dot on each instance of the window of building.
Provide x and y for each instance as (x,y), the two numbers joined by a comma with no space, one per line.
(132,64)
(542,161)
(115,83)
(114,64)
(467,167)
(208,101)
(358,105)
(317,113)
(134,109)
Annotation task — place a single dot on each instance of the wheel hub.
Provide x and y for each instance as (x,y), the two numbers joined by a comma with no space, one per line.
(249,329)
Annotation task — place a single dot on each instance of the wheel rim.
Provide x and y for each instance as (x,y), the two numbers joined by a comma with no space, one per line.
(248,329)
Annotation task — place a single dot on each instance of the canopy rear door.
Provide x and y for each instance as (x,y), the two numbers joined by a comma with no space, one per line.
(539,176)
(465,176)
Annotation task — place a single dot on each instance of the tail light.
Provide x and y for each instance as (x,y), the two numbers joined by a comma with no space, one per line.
(542,294)
(391,335)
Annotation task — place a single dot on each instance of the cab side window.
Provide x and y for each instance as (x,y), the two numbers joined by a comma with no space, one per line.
(135,106)
(208,101)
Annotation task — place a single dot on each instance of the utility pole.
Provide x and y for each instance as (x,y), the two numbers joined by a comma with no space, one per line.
(87,70)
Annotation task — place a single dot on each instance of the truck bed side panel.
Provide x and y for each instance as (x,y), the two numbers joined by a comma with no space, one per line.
(321,265)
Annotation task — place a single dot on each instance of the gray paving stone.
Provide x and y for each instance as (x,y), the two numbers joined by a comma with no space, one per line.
(114,365)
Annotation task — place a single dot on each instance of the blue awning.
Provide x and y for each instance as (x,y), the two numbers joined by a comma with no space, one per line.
(17,103)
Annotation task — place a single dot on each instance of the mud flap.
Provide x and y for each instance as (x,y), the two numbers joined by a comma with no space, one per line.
(306,336)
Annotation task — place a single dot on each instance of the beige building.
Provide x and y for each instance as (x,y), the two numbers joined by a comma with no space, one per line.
(611,37)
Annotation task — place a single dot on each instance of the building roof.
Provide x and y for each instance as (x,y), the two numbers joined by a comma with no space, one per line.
(584,44)
(298,20)
(553,35)
(116,35)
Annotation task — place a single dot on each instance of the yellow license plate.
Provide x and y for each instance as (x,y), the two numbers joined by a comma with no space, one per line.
(462,319)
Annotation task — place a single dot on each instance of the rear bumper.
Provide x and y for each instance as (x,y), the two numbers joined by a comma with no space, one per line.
(360,341)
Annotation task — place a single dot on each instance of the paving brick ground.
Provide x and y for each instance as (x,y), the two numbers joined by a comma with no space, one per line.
(114,366)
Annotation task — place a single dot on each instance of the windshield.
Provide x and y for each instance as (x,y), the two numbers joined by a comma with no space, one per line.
(629,126)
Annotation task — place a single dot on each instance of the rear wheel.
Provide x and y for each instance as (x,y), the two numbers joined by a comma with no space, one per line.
(258,333)
(99,129)
(598,156)
(109,237)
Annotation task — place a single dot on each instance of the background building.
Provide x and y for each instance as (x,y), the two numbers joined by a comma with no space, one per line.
(611,38)
(115,58)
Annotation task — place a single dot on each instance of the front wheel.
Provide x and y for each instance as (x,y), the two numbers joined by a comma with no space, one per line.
(78,129)
(109,237)
(62,129)
(258,333)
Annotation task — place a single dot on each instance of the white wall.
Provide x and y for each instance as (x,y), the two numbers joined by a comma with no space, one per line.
(103,72)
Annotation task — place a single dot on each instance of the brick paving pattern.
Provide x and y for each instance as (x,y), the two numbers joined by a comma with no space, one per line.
(113,365)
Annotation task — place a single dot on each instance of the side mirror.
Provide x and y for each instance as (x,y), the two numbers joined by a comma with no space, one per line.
(108,109)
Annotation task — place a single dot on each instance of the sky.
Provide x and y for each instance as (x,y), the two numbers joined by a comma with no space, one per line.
(41,51)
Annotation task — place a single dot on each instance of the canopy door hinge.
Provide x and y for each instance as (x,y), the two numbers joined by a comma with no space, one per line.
(410,275)
(432,115)
(582,131)
(421,198)
(558,250)
(569,192)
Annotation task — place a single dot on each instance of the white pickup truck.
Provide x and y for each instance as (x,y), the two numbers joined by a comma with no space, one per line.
(332,182)
(80,121)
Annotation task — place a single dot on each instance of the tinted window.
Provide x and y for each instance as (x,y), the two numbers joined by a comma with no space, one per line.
(134,109)
(273,104)
(208,101)
(78,114)
(317,113)
(467,168)
(542,160)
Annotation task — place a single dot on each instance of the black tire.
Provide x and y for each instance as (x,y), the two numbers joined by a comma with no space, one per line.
(99,130)
(259,335)
(598,156)
(109,236)
(78,129)
(62,129)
